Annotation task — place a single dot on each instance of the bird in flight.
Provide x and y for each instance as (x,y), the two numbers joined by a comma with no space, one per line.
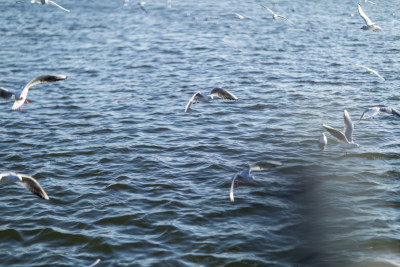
(216,92)
(21,95)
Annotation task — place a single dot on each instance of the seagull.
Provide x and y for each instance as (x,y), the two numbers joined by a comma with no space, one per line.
(26,181)
(240,16)
(322,139)
(245,175)
(346,138)
(276,16)
(44,2)
(367,1)
(372,112)
(95,263)
(141,4)
(371,71)
(369,25)
(20,96)
(216,92)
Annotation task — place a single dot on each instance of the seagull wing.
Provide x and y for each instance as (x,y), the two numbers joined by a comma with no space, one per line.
(364,16)
(22,94)
(377,74)
(390,111)
(336,133)
(222,93)
(348,126)
(282,17)
(270,11)
(5,93)
(364,67)
(263,165)
(191,101)
(57,5)
(232,198)
(32,185)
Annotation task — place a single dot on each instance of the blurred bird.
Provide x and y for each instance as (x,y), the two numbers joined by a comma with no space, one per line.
(21,95)
(26,181)
(245,175)
(216,92)
(369,25)
(44,2)
(276,16)
(372,112)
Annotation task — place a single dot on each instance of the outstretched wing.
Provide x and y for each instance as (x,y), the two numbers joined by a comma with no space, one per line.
(32,185)
(222,93)
(336,133)
(390,111)
(348,126)
(263,165)
(231,196)
(5,93)
(191,101)
(57,5)
(270,11)
(364,16)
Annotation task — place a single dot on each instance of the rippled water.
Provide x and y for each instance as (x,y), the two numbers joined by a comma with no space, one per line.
(135,181)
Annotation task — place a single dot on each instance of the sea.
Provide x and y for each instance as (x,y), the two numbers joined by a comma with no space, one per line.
(134,180)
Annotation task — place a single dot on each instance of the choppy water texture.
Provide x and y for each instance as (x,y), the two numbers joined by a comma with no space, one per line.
(135,181)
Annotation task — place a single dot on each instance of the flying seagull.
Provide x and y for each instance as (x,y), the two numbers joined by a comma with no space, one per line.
(44,2)
(369,25)
(26,181)
(141,4)
(240,16)
(346,138)
(245,175)
(372,112)
(216,92)
(20,96)
(276,16)
(371,71)
(367,1)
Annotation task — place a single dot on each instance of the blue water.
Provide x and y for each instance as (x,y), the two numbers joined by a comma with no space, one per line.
(136,181)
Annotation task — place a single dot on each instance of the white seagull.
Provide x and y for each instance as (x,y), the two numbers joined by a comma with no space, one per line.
(322,139)
(369,25)
(241,16)
(372,112)
(44,2)
(367,1)
(20,96)
(276,16)
(141,4)
(26,181)
(216,92)
(245,175)
(346,138)
(371,71)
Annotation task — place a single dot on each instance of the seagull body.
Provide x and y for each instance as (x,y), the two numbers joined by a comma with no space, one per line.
(367,1)
(276,16)
(44,2)
(346,137)
(20,96)
(216,92)
(371,71)
(322,139)
(369,25)
(240,16)
(372,112)
(141,4)
(26,181)
(245,175)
